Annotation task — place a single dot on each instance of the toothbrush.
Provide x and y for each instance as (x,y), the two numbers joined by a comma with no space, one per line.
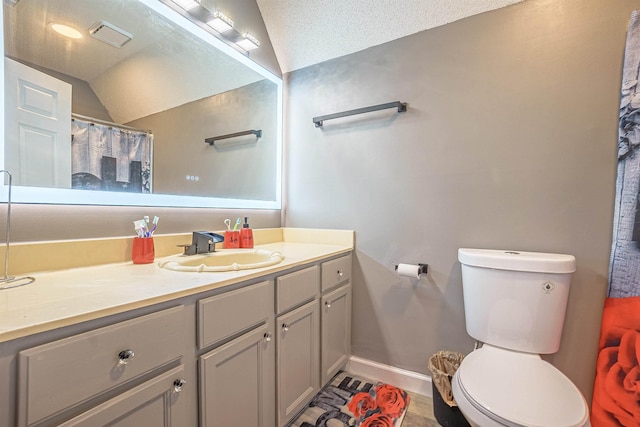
(139,227)
(235,227)
(155,225)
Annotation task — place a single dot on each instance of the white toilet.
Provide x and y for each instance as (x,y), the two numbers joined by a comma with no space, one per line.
(515,304)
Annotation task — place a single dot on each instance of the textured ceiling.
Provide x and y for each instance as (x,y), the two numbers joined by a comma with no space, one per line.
(305,32)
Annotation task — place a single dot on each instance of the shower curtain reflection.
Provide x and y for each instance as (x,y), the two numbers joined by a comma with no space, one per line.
(109,158)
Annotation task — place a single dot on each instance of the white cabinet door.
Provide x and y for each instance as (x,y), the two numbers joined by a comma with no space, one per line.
(298,359)
(336,331)
(37,127)
(237,381)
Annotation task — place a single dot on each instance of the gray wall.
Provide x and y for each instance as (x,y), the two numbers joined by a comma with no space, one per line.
(509,143)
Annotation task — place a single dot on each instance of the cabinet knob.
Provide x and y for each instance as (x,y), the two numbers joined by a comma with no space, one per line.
(125,356)
(285,327)
(267,336)
(327,304)
(340,274)
(178,384)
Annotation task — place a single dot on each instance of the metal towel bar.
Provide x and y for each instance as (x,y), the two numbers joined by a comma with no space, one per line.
(213,139)
(401,106)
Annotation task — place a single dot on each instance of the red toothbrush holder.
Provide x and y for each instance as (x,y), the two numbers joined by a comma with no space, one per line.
(143,251)
(231,239)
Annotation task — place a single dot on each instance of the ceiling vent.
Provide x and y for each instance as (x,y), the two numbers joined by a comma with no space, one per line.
(110,34)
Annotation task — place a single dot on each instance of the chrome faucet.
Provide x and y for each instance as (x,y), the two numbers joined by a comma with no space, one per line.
(202,242)
(7,281)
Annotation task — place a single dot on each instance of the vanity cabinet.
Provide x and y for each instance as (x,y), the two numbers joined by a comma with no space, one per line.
(59,377)
(298,340)
(335,316)
(237,378)
(251,354)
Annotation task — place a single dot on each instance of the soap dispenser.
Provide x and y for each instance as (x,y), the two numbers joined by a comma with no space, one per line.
(246,235)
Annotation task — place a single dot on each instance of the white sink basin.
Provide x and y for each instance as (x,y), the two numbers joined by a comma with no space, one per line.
(224,260)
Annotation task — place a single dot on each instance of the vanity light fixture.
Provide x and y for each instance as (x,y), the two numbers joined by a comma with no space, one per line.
(65,30)
(220,22)
(187,4)
(248,42)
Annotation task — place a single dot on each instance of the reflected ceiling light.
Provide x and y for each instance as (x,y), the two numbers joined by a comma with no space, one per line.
(249,42)
(220,22)
(187,4)
(65,30)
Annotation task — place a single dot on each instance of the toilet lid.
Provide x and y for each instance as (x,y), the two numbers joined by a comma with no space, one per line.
(520,389)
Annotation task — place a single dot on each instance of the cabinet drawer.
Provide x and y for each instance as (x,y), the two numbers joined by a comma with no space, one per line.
(63,373)
(336,272)
(296,288)
(228,314)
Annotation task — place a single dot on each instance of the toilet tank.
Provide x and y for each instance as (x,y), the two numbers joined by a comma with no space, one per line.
(516,300)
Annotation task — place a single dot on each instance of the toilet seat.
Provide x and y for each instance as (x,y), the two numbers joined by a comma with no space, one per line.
(520,389)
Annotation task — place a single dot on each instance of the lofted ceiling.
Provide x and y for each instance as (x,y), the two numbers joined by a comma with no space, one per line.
(306,32)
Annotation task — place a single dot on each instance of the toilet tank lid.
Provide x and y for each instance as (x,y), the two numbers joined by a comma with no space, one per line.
(536,262)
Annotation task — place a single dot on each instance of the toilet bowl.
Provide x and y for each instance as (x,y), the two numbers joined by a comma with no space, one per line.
(496,387)
(515,304)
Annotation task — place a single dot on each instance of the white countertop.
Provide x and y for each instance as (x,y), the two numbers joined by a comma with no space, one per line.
(71,296)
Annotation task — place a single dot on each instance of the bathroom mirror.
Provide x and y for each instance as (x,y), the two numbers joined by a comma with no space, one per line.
(134,99)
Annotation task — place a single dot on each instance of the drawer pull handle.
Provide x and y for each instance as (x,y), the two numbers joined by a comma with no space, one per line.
(178,384)
(328,304)
(125,356)
(285,327)
(267,336)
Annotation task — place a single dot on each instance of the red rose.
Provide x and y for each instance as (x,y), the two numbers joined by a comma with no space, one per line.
(617,385)
(378,420)
(391,400)
(360,404)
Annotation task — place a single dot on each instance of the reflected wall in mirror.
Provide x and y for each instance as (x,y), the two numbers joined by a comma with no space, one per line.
(85,119)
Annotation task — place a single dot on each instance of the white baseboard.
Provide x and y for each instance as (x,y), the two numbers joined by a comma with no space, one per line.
(408,380)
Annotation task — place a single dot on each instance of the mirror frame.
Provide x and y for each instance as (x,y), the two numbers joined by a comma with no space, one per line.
(64,196)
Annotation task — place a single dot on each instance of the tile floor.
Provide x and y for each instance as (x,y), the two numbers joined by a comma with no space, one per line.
(420,412)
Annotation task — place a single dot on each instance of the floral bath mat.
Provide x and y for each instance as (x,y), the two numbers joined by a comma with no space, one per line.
(351,401)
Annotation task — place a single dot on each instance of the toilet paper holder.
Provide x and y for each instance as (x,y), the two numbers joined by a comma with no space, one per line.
(422,268)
